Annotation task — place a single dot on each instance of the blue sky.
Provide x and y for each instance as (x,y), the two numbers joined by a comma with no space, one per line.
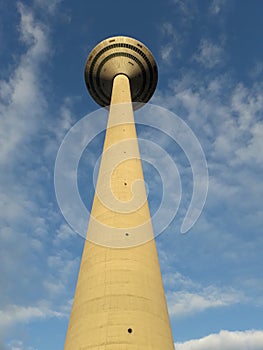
(210,59)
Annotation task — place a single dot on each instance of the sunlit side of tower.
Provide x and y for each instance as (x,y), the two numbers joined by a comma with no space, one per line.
(119,300)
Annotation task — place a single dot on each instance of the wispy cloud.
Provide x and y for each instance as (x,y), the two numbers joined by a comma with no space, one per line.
(14,314)
(210,54)
(256,70)
(174,33)
(29,222)
(22,101)
(183,303)
(166,52)
(186,297)
(186,8)
(227,118)
(216,6)
(246,340)
(18,345)
(171,40)
(48,5)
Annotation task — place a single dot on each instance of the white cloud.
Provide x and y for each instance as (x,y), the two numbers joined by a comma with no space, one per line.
(247,103)
(27,215)
(256,71)
(169,30)
(227,118)
(166,52)
(61,269)
(13,314)
(175,280)
(33,34)
(19,247)
(18,345)
(216,6)
(64,233)
(246,340)
(187,297)
(171,41)
(174,34)
(48,5)
(209,54)
(186,8)
(251,151)
(185,303)
(22,101)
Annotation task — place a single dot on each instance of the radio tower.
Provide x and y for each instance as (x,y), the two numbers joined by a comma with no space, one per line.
(119,301)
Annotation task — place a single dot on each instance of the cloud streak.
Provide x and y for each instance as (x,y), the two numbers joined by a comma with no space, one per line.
(21,99)
(210,54)
(27,214)
(14,314)
(246,340)
(186,297)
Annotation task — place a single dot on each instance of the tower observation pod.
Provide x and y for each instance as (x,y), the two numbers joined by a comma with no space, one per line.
(119,301)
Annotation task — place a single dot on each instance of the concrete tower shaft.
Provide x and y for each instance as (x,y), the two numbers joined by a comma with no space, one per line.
(119,301)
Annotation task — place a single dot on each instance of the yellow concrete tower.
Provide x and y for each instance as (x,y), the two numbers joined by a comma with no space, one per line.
(119,302)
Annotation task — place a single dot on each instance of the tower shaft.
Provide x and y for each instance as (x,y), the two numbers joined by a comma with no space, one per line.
(119,300)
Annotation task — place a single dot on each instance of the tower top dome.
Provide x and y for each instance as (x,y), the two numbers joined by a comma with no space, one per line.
(121,55)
